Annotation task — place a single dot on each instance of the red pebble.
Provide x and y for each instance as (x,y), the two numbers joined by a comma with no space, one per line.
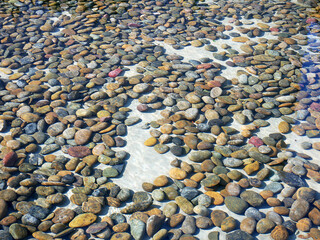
(10,159)
(274,29)
(79,151)
(204,66)
(311,20)
(115,73)
(257,142)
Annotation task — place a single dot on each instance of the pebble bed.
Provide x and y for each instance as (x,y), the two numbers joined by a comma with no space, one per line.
(78,76)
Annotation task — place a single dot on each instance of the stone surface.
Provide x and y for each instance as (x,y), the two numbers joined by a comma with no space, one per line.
(299,209)
(239,235)
(235,204)
(17,231)
(83,220)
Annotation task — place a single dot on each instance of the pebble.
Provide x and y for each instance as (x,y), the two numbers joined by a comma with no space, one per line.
(38,212)
(233,189)
(189,225)
(185,205)
(79,151)
(284,127)
(248,225)
(306,193)
(253,198)
(199,156)
(232,162)
(154,223)
(275,187)
(291,179)
(228,224)
(213,235)
(239,235)
(62,215)
(115,73)
(304,225)
(264,225)
(83,220)
(201,210)
(177,173)
(274,217)
(10,159)
(137,228)
(217,216)
(17,231)
(299,209)
(82,136)
(253,213)
(235,204)
(189,193)
(279,233)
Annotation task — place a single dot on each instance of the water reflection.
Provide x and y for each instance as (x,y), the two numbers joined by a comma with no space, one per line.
(66,71)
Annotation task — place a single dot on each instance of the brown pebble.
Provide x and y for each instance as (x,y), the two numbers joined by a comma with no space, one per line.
(279,233)
(266,194)
(314,216)
(217,216)
(161,181)
(176,219)
(120,227)
(244,183)
(304,224)
(177,173)
(273,202)
(248,225)
(315,233)
(281,210)
(148,187)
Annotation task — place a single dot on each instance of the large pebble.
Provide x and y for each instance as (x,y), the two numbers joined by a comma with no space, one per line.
(299,209)
(83,220)
(137,228)
(239,235)
(185,205)
(235,204)
(199,156)
(82,136)
(253,198)
(17,231)
(189,225)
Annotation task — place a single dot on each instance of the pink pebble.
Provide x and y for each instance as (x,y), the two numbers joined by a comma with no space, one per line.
(115,72)
(257,142)
(311,20)
(142,107)
(134,25)
(273,29)
(315,106)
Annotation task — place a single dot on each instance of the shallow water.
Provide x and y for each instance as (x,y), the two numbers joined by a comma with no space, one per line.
(72,65)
